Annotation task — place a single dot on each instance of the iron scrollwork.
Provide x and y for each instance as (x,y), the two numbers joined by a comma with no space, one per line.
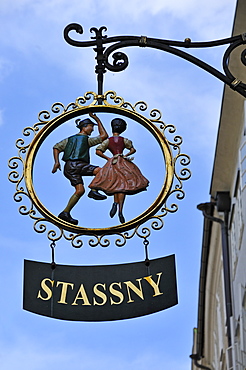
(120,59)
(175,169)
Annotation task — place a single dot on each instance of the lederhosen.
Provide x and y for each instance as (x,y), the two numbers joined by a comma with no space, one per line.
(77,158)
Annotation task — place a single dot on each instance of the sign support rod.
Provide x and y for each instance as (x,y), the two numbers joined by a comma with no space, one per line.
(120,60)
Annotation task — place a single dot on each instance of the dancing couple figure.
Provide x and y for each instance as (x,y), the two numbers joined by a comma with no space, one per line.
(118,177)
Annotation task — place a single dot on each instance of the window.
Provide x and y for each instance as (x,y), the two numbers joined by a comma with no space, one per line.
(243,163)
(237,225)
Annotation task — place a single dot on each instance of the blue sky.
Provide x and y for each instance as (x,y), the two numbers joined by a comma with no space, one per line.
(37,69)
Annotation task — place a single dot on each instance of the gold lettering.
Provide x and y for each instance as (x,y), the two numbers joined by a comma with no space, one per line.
(137,290)
(154,285)
(116,293)
(47,290)
(64,290)
(83,294)
(99,294)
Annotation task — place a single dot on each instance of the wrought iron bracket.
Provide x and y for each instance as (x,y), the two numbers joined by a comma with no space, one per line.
(120,60)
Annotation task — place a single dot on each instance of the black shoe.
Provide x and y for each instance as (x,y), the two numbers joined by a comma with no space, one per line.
(121,218)
(96,195)
(65,216)
(113,210)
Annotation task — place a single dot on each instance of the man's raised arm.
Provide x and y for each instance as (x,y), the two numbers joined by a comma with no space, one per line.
(102,132)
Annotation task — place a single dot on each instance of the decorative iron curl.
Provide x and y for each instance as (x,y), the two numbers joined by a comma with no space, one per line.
(82,100)
(17,178)
(24,210)
(98,32)
(179,193)
(158,223)
(44,116)
(18,196)
(120,62)
(14,176)
(234,82)
(54,236)
(177,141)
(40,227)
(117,100)
(121,242)
(170,128)
(143,232)
(79,29)
(156,116)
(141,106)
(180,175)
(243,57)
(99,240)
(185,173)
(58,108)
(75,240)
(171,209)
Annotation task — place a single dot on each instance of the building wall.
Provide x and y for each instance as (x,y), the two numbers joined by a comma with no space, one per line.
(218,352)
(229,174)
(238,259)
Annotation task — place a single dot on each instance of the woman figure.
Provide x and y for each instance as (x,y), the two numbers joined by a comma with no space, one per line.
(119,176)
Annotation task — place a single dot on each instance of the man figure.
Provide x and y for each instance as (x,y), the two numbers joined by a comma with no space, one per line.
(76,155)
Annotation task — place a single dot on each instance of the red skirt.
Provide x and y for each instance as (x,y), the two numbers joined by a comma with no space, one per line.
(121,177)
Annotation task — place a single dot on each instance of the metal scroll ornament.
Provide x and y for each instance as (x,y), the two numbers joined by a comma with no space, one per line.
(176,171)
(120,60)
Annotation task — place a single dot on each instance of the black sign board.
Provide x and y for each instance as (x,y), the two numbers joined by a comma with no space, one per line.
(100,293)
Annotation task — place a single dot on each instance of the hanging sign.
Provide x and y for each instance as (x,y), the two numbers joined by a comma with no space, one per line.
(100,293)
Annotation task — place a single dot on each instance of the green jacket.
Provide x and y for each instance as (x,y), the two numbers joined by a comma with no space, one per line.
(77,148)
